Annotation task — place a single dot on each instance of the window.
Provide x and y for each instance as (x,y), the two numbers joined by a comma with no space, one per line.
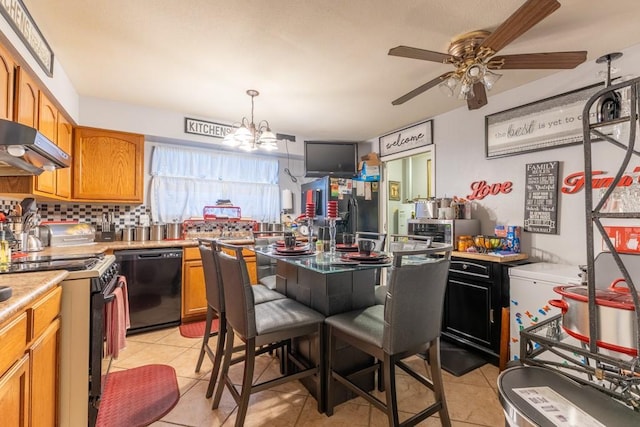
(184,180)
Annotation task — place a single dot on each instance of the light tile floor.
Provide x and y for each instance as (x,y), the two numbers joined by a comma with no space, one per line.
(472,399)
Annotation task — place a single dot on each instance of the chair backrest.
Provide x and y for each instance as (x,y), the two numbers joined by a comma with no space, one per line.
(238,295)
(406,242)
(212,279)
(264,238)
(378,238)
(414,304)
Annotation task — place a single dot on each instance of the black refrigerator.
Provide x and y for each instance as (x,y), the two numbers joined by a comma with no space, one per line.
(358,203)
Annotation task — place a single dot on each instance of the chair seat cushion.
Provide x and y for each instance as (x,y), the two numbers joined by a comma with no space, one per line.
(281,314)
(380,294)
(366,324)
(269,281)
(262,294)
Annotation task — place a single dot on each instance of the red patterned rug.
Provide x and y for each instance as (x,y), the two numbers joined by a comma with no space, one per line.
(138,396)
(196,329)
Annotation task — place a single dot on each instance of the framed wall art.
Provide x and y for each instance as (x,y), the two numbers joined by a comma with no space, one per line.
(394,190)
(541,125)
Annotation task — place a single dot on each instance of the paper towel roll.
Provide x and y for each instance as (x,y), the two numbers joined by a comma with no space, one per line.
(287,199)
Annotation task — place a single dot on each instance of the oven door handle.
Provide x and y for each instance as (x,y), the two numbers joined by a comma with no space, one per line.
(111,296)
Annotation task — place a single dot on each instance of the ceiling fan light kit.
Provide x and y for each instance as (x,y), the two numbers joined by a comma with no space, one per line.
(472,55)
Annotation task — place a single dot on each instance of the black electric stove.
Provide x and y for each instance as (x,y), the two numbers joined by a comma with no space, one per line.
(32,263)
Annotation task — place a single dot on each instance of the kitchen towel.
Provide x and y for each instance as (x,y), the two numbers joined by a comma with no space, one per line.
(117,319)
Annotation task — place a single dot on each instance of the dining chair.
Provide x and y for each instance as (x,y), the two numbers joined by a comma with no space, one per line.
(378,238)
(407,324)
(260,328)
(216,309)
(401,242)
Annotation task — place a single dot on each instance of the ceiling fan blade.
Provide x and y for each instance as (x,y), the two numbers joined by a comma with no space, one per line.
(528,15)
(539,61)
(415,53)
(417,91)
(480,97)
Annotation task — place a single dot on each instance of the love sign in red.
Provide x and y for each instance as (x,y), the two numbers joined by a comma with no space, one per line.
(481,189)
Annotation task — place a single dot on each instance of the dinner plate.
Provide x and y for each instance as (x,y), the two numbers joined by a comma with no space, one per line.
(304,252)
(341,247)
(281,243)
(358,257)
(291,250)
(382,260)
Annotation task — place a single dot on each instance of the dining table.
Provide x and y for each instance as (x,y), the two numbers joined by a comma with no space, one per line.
(330,283)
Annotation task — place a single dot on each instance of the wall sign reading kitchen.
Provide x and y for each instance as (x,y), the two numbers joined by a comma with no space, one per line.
(541,197)
(203,127)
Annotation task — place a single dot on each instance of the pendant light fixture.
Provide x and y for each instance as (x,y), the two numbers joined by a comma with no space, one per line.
(248,136)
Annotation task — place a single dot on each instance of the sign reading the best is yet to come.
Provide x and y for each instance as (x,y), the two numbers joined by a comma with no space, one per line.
(203,127)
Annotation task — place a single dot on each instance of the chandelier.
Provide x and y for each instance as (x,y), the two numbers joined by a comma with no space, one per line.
(248,136)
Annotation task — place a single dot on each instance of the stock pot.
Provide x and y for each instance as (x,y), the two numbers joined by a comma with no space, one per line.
(174,230)
(615,310)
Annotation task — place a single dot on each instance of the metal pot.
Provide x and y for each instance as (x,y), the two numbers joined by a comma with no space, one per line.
(127,233)
(615,311)
(427,209)
(261,226)
(275,227)
(174,231)
(142,233)
(157,232)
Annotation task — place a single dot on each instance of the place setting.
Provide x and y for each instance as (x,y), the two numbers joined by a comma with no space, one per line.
(291,247)
(364,254)
(348,244)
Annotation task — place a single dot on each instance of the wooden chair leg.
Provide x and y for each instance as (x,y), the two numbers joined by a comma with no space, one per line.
(247,380)
(390,390)
(436,378)
(222,332)
(205,338)
(224,375)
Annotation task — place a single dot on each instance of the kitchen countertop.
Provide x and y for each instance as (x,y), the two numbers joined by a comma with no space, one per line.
(26,288)
(490,257)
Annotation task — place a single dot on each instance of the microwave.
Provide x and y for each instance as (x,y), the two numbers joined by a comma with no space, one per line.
(443,230)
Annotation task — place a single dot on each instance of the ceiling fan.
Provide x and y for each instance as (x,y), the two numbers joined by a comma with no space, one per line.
(472,55)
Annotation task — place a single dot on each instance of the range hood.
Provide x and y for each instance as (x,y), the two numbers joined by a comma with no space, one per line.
(25,151)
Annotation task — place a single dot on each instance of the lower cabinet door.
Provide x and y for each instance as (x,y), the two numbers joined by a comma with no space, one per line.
(44,377)
(468,311)
(14,394)
(194,296)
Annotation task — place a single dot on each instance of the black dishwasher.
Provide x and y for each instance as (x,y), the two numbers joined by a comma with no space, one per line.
(154,282)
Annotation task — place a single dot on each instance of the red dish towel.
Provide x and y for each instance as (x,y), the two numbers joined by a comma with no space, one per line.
(117,319)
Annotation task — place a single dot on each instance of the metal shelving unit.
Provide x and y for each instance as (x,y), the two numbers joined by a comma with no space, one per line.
(546,344)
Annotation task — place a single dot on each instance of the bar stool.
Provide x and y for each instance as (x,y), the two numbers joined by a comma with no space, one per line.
(405,325)
(265,264)
(401,242)
(259,326)
(216,308)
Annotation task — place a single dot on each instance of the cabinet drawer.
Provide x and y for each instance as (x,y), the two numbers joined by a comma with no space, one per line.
(13,337)
(45,310)
(191,254)
(471,268)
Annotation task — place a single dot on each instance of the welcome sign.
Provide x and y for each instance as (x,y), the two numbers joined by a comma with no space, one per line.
(408,138)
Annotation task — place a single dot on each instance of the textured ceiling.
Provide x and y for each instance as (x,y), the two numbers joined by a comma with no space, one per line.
(321,67)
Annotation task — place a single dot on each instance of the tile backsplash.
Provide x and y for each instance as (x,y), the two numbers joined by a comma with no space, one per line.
(92,214)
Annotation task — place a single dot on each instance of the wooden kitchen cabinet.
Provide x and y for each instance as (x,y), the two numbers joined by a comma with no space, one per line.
(29,363)
(476,292)
(7,73)
(65,142)
(194,297)
(26,99)
(48,126)
(107,166)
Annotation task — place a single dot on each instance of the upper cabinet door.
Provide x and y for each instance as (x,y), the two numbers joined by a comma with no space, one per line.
(7,72)
(48,126)
(26,100)
(65,142)
(107,165)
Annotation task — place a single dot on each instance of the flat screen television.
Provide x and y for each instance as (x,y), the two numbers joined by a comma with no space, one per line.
(326,158)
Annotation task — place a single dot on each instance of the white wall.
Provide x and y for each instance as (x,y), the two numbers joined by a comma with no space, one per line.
(459,137)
